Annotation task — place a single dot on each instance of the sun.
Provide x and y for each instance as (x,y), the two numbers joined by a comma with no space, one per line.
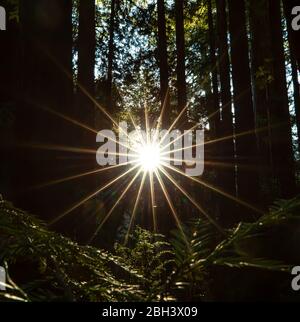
(149,157)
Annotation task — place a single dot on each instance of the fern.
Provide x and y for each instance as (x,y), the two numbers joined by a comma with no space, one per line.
(62,269)
(151,254)
(247,246)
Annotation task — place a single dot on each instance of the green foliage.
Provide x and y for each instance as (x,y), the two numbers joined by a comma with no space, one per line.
(50,267)
(269,244)
(45,266)
(153,259)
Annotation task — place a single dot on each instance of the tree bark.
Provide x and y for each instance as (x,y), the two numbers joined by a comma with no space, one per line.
(110,58)
(294,66)
(261,59)
(180,69)
(227,175)
(47,83)
(86,62)
(224,71)
(163,63)
(246,148)
(282,149)
(294,34)
(9,97)
(214,113)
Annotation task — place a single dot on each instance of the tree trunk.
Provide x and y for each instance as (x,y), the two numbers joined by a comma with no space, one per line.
(296,94)
(86,64)
(261,58)
(282,150)
(294,34)
(246,148)
(214,113)
(47,82)
(212,151)
(110,58)
(180,70)
(227,175)
(294,67)
(163,63)
(9,96)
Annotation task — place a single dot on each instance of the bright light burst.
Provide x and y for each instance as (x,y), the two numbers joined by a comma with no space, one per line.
(149,157)
(149,160)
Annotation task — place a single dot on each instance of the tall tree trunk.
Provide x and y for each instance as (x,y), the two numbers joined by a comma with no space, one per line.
(296,94)
(110,58)
(180,70)
(294,67)
(86,63)
(163,62)
(214,113)
(262,75)
(9,96)
(294,34)
(47,82)
(246,148)
(227,175)
(282,150)
(212,151)
(85,105)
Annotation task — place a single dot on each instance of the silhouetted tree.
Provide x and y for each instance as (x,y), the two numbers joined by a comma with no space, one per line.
(180,50)
(246,148)
(294,34)
(227,175)
(163,61)
(86,61)
(282,151)
(111,50)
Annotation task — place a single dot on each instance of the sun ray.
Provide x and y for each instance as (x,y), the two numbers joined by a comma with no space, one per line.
(160,118)
(208,117)
(80,175)
(147,125)
(170,203)
(64,117)
(114,206)
(250,167)
(153,201)
(180,136)
(217,140)
(137,200)
(54,147)
(85,91)
(82,125)
(191,199)
(173,124)
(136,129)
(218,190)
(84,200)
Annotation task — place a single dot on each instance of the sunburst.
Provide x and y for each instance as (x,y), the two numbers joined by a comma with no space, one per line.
(149,159)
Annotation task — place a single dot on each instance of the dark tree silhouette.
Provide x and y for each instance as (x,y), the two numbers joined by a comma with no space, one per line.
(246,149)
(180,50)
(282,151)
(163,60)
(86,60)
(227,175)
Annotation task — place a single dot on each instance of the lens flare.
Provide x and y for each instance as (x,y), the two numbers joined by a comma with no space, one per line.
(149,157)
